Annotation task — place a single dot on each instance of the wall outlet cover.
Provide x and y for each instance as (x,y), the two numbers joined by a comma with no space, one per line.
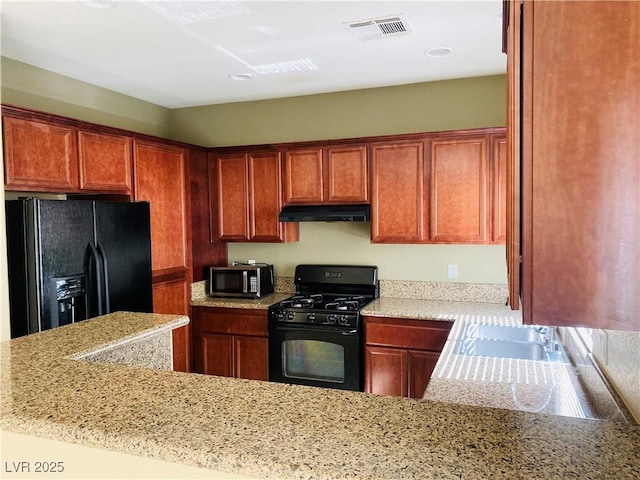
(452,270)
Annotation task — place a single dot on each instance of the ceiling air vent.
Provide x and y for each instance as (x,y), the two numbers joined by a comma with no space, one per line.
(378,28)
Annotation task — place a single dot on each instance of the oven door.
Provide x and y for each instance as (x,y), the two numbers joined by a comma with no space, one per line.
(316,356)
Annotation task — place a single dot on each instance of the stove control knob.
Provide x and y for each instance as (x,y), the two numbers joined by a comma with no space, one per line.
(331,319)
(311,318)
(343,319)
(291,316)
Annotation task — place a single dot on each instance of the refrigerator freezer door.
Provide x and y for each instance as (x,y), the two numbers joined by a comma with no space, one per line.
(46,240)
(123,235)
(62,235)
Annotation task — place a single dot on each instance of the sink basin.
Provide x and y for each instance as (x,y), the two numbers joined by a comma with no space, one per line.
(504,341)
(503,332)
(491,347)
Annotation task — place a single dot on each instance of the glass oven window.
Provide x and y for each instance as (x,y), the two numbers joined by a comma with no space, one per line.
(313,360)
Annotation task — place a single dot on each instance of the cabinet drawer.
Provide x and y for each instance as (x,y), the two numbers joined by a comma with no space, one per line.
(430,336)
(231,321)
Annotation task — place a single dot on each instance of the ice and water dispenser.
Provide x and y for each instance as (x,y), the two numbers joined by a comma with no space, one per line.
(70,303)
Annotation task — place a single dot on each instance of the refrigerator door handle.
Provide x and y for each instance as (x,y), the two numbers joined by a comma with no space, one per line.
(95,261)
(105,269)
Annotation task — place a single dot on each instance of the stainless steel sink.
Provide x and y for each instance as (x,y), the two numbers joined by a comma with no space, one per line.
(518,342)
(504,332)
(491,347)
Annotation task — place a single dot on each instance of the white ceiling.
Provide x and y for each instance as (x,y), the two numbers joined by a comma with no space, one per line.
(181,53)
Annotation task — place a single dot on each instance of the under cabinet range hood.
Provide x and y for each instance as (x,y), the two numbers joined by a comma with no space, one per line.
(325,213)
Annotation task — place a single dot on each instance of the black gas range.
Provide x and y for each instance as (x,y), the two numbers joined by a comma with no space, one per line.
(316,335)
(328,295)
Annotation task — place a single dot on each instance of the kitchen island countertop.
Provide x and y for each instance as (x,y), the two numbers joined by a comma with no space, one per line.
(272,430)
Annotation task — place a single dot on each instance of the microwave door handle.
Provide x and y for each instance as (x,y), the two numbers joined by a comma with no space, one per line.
(245,287)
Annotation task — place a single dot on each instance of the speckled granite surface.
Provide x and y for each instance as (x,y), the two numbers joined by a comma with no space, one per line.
(272,430)
(450,291)
(154,351)
(442,310)
(257,304)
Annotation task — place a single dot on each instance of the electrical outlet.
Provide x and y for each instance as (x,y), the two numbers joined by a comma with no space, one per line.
(452,270)
(251,262)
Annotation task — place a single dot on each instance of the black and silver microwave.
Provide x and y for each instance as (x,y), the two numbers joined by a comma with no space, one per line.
(241,281)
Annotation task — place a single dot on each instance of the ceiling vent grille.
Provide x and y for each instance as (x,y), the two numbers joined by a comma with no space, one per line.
(379,28)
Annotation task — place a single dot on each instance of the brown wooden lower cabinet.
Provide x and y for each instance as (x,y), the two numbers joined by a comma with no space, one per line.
(400,354)
(230,342)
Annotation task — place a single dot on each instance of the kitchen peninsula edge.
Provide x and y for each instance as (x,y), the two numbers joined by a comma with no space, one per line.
(270,430)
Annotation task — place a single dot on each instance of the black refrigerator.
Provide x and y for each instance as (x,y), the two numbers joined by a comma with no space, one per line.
(70,260)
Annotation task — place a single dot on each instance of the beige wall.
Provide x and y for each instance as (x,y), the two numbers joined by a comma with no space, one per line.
(349,243)
(421,107)
(31,87)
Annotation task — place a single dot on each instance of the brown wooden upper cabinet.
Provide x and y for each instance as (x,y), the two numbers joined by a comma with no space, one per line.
(580,142)
(105,162)
(39,156)
(439,189)
(160,179)
(335,174)
(398,201)
(42,154)
(247,197)
(459,190)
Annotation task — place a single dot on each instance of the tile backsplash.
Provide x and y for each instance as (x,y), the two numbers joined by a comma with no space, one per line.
(449,291)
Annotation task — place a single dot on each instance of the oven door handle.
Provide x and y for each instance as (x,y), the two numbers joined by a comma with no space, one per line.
(314,328)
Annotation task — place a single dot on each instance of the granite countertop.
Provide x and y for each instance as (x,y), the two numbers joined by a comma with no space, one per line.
(262,303)
(273,430)
(422,309)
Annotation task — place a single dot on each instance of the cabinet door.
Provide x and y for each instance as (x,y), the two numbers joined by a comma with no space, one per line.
(386,371)
(303,181)
(251,357)
(160,179)
(580,168)
(499,190)
(458,193)
(397,192)
(265,199)
(230,174)
(39,156)
(421,365)
(105,162)
(347,174)
(214,355)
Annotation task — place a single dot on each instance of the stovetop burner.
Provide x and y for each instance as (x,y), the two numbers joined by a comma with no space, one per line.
(319,301)
(328,295)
